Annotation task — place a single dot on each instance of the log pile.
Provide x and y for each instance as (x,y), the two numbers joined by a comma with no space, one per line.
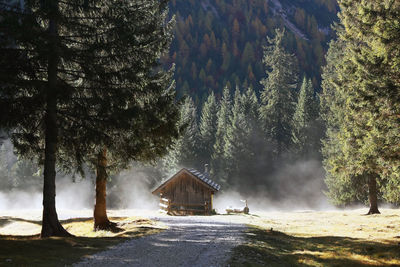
(244,210)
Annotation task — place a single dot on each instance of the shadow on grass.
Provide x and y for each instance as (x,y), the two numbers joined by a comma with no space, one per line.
(271,248)
(85,219)
(4,220)
(58,251)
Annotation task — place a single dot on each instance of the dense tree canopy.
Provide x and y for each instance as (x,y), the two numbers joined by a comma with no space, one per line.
(363,79)
(81,75)
(222,41)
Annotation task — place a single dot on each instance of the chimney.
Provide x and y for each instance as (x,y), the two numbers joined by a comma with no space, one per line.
(206,168)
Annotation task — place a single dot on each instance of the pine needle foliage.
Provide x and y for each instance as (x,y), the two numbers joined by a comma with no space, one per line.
(207,129)
(306,131)
(80,75)
(278,97)
(184,152)
(367,88)
(223,121)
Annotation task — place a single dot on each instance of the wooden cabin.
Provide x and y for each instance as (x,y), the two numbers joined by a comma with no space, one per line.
(188,192)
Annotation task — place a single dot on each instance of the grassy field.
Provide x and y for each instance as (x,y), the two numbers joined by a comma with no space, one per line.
(337,238)
(307,238)
(30,250)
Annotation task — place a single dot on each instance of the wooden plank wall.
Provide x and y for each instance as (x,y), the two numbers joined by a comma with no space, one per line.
(186,189)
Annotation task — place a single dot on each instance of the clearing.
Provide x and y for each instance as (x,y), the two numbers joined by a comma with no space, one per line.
(302,238)
(331,238)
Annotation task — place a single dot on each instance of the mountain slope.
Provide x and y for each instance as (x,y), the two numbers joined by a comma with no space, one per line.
(219,42)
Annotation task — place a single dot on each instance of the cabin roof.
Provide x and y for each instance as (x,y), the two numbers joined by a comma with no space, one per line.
(203,177)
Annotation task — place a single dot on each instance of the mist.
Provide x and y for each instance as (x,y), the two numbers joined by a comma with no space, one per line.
(297,186)
(70,195)
(131,189)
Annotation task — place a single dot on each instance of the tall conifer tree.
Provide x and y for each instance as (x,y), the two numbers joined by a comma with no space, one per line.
(278,95)
(233,140)
(142,33)
(84,82)
(372,34)
(242,144)
(208,129)
(367,74)
(184,152)
(306,131)
(223,116)
(344,185)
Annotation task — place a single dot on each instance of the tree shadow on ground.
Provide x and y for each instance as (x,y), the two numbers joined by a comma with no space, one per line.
(272,248)
(5,220)
(58,251)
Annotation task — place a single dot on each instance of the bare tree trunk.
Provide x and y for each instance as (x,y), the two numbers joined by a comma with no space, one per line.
(50,223)
(101,221)
(373,195)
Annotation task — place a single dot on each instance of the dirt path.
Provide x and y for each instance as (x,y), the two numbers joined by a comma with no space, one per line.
(189,241)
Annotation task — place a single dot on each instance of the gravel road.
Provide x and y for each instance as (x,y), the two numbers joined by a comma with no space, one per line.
(189,241)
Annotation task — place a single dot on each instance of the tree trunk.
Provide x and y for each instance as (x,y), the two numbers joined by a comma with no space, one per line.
(101,221)
(373,196)
(50,223)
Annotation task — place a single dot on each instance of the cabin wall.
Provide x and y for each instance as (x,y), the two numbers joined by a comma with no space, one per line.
(186,190)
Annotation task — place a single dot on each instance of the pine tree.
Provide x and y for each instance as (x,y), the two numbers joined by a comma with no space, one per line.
(233,141)
(218,161)
(306,128)
(184,152)
(278,95)
(242,139)
(367,133)
(207,129)
(344,187)
(149,128)
(251,108)
(32,57)
(84,81)
(254,158)
(372,34)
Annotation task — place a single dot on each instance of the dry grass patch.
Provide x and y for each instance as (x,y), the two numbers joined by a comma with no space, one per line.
(56,251)
(84,227)
(337,238)
(353,223)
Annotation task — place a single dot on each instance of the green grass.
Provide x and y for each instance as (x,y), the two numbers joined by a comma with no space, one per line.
(273,248)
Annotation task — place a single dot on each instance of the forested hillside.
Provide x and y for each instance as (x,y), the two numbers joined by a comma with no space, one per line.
(220,42)
(267,144)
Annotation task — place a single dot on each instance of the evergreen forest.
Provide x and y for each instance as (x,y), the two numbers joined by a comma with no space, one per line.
(222,42)
(283,99)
